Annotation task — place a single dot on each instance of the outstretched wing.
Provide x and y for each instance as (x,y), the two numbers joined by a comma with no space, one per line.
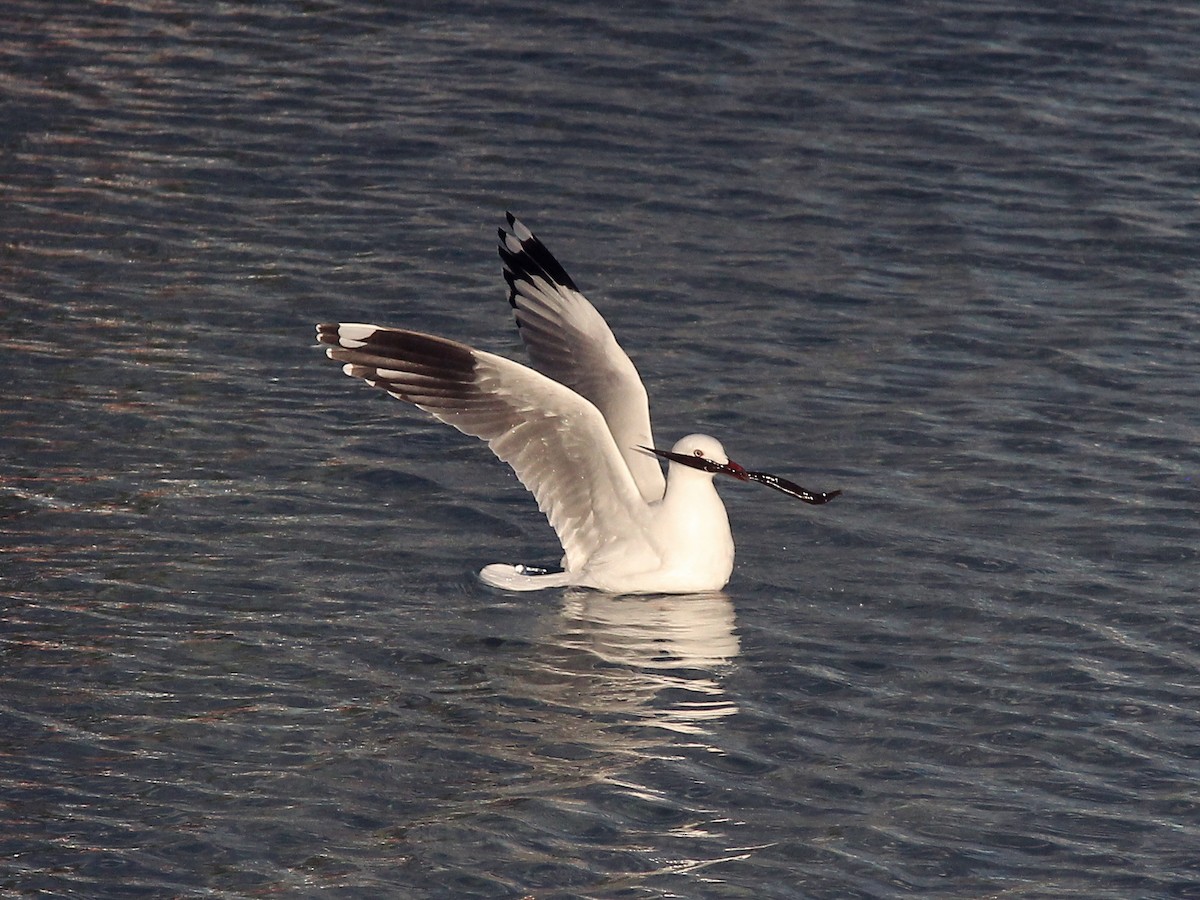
(570,342)
(556,441)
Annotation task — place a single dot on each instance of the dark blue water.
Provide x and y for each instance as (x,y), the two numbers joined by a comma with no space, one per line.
(942,257)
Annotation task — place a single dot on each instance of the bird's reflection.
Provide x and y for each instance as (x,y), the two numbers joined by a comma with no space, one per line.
(594,739)
(656,632)
(656,659)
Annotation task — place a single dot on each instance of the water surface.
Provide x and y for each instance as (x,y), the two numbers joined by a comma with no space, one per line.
(940,258)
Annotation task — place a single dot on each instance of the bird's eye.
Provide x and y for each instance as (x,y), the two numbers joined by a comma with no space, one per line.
(698,452)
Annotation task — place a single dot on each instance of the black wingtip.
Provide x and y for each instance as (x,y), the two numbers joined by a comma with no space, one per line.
(532,259)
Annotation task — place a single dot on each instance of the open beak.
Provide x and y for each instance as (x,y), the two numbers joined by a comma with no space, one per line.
(733,470)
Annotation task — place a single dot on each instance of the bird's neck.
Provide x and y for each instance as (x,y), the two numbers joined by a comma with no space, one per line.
(691,497)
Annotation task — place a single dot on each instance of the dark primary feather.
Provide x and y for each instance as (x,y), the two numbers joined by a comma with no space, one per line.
(421,368)
(532,259)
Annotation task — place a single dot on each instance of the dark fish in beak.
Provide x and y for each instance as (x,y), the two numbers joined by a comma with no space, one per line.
(733,470)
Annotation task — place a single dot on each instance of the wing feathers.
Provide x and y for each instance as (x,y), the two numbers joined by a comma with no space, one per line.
(556,441)
(522,252)
(571,343)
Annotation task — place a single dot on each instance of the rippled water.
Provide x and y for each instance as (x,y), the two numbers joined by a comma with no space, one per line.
(941,257)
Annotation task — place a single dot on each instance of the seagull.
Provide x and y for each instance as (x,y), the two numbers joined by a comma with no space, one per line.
(576,431)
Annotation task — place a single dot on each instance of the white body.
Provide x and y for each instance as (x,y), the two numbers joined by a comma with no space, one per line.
(679,544)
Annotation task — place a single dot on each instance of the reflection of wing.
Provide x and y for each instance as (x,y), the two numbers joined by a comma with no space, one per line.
(570,342)
(556,441)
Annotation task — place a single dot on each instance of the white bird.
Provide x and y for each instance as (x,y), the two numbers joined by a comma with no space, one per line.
(576,432)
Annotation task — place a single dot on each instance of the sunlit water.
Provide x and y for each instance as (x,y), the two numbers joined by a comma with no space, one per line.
(943,259)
